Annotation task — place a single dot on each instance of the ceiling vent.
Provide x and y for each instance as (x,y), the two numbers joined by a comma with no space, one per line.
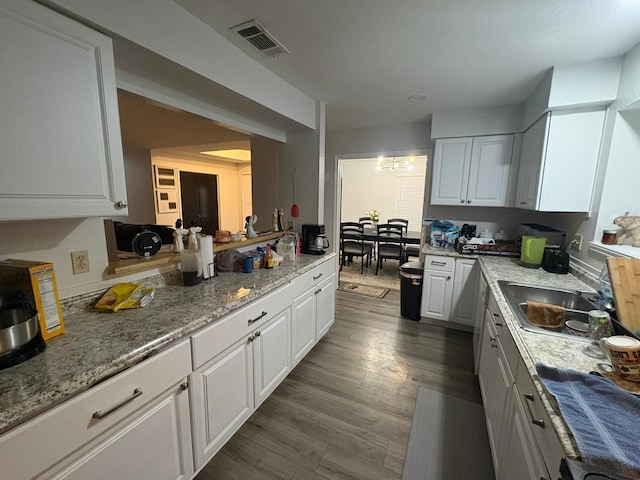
(256,35)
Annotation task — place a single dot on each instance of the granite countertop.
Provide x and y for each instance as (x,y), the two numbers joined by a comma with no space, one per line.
(534,347)
(97,344)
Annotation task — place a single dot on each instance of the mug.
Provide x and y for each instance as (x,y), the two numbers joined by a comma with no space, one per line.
(624,355)
(247,263)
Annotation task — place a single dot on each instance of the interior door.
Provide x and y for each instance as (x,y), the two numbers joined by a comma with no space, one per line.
(199,198)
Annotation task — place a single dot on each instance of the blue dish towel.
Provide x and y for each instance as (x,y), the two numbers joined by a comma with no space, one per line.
(604,419)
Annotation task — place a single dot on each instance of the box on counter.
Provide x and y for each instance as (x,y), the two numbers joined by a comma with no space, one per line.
(37,281)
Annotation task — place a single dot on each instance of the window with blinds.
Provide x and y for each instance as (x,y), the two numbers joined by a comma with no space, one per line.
(410,199)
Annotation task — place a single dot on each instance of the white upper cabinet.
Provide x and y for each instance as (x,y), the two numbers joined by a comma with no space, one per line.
(558,161)
(60,135)
(472,171)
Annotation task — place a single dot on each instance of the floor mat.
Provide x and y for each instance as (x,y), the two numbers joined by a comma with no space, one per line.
(448,439)
(368,290)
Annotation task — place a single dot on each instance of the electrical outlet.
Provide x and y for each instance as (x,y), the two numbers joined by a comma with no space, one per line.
(576,243)
(80,262)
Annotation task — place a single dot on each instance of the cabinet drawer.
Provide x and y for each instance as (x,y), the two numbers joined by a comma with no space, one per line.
(539,421)
(57,433)
(215,338)
(308,279)
(443,264)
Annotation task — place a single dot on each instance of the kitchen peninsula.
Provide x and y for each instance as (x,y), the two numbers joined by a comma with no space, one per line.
(112,373)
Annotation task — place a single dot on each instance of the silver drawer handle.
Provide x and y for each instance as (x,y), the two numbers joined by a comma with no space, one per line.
(539,423)
(317,276)
(439,264)
(253,320)
(99,414)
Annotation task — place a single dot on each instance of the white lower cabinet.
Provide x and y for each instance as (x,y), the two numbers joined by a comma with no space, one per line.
(135,425)
(524,445)
(449,289)
(520,458)
(313,310)
(227,389)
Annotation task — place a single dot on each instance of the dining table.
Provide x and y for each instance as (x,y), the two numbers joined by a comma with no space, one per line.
(409,238)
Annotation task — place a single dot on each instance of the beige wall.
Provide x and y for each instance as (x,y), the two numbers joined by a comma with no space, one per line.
(229,191)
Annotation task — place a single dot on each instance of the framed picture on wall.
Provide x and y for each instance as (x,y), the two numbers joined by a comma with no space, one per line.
(165,177)
(166,201)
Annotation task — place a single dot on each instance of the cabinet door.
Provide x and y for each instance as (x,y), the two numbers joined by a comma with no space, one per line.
(478,320)
(495,386)
(464,291)
(271,355)
(222,399)
(489,172)
(325,305)
(573,148)
(437,289)
(303,325)
(532,154)
(156,445)
(521,458)
(451,162)
(62,139)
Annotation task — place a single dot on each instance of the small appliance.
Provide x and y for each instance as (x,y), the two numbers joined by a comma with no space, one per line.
(144,240)
(555,260)
(314,241)
(531,251)
(20,337)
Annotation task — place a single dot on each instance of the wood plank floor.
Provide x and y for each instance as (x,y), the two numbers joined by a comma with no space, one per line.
(345,411)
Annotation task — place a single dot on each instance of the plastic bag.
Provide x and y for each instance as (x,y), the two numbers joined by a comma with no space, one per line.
(125,295)
(229,261)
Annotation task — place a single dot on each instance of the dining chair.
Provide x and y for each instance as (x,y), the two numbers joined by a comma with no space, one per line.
(409,250)
(389,244)
(352,244)
(367,222)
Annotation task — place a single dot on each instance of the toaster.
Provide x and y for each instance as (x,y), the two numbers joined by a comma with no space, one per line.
(555,260)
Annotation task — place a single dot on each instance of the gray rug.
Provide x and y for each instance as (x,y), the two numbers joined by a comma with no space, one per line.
(448,440)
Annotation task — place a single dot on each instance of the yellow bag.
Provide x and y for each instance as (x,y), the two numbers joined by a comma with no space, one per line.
(125,295)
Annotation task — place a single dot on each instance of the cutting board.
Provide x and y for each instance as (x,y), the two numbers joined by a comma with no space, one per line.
(625,282)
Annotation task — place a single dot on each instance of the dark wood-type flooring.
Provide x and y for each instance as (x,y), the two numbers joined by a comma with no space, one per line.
(345,411)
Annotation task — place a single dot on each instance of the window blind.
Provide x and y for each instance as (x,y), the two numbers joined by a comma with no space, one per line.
(410,199)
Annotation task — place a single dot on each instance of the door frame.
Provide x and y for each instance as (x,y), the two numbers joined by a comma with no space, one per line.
(338,175)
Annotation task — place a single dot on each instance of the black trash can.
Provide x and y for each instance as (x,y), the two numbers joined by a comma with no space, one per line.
(411,275)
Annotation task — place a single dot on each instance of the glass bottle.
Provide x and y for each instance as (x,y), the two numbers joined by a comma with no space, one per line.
(268,257)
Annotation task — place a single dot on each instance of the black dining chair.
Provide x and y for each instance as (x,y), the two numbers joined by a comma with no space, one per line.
(367,223)
(389,244)
(352,244)
(409,250)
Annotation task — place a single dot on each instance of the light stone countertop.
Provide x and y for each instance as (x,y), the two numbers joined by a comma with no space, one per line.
(559,352)
(97,344)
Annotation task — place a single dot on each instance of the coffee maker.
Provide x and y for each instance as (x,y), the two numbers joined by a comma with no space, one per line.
(314,241)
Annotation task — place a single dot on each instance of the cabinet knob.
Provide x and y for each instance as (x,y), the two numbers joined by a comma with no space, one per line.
(468,201)
(258,333)
(448,278)
(184,385)
(250,339)
(462,201)
(122,204)
(523,203)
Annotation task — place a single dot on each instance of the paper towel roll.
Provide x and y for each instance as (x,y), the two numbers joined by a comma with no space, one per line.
(206,250)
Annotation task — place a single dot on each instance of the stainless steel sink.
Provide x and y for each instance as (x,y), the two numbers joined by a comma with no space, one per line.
(575,303)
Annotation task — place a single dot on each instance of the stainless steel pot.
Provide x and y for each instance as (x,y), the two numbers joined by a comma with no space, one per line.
(17,327)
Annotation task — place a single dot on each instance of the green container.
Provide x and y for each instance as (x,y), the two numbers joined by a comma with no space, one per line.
(531,251)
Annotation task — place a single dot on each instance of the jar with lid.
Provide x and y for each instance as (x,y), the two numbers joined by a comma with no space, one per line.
(609,237)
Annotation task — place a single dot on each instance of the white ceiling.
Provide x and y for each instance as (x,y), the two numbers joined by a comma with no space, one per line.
(364,58)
